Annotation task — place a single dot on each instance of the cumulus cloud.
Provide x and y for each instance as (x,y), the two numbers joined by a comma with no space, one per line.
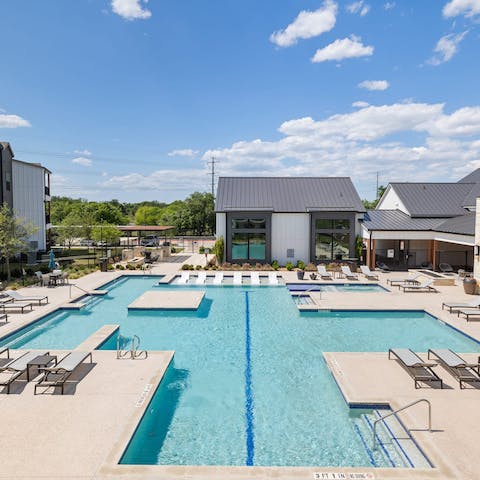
(186,152)
(85,152)
(307,25)
(359,7)
(131,9)
(446,48)
(84,162)
(360,104)
(13,121)
(467,8)
(351,47)
(374,84)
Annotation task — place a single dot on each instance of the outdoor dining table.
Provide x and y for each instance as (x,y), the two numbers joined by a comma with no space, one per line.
(53,277)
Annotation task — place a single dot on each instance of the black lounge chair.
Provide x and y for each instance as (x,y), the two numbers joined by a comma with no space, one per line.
(464,372)
(445,268)
(420,371)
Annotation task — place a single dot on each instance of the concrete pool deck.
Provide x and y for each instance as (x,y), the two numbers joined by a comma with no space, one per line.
(82,435)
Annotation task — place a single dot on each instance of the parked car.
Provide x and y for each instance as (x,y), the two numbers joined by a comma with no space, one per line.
(87,243)
(149,241)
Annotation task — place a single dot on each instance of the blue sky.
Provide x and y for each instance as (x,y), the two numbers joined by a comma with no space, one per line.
(129,99)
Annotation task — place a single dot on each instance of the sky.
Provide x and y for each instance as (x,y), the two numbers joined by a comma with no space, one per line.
(130,99)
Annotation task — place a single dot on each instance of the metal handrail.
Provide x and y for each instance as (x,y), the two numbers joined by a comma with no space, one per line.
(134,346)
(80,288)
(135,352)
(121,353)
(399,410)
(313,289)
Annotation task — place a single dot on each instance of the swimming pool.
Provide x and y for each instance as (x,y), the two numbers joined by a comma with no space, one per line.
(248,384)
(337,287)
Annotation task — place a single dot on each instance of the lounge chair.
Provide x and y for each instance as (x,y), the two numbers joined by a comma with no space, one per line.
(237,278)
(57,375)
(201,277)
(383,267)
(369,275)
(254,278)
(17,297)
(10,371)
(218,278)
(468,312)
(322,271)
(455,307)
(420,371)
(22,306)
(445,268)
(464,372)
(421,287)
(407,280)
(272,278)
(184,278)
(347,273)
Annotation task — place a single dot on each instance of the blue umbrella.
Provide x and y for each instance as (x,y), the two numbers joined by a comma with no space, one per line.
(51,263)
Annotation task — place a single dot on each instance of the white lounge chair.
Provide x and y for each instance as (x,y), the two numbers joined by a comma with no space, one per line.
(184,278)
(400,281)
(322,271)
(421,287)
(347,273)
(455,307)
(57,375)
(237,278)
(201,277)
(218,278)
(254,278)
(369,275)
(17,297)
(272,278)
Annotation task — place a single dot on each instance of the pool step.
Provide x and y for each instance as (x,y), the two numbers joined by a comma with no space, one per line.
(394,446)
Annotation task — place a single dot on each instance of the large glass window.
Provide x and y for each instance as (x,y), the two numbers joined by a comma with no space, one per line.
(249,238)
(240,246)
(257,246)
(323,246)
(332,238)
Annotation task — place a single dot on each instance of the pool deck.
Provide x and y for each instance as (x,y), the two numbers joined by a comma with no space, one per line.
(82,434)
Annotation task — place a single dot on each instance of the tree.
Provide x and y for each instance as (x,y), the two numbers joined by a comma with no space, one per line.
(147,215)
(199,213)
(69,230)
(109,213)
(106,233)
(372,204)
(14,234)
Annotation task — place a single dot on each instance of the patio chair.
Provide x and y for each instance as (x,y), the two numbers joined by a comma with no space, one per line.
(468,312)
(420,371)
(58,375)
(445,268)
(22,306)
(46,281)
(201,277)
(39,276)
(10,371)
(455,307)
(406,280)
(184,278)
(463,371)
(272,278)
(322,271)
(237,278)
(254,278)
(421,287)
(369,275)
(218,278)
(347,273)
(383,267)
(17,297)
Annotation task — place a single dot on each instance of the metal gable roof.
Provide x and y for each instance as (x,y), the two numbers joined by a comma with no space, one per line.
(395,220)
(463,225)
(427,200)
(287,194)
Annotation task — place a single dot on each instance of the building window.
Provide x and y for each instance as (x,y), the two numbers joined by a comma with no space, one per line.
(248,239)
(8,181)
(332,239)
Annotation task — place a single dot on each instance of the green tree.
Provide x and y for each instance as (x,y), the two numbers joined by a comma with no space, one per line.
(372,204)
(69,229)
(14,234)
(199,214)
(109,213)
(106,233)
(148,215)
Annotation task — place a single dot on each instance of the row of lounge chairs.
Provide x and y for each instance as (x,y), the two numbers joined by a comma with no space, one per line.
(52,376)
(467,309)
(13,301)
(422,372)
(201,278)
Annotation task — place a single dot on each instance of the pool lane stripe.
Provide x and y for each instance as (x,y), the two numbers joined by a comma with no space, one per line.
(248,388)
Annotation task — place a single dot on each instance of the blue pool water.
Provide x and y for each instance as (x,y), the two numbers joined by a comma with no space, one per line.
(248,384)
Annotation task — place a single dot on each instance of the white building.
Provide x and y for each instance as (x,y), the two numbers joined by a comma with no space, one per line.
(26,188)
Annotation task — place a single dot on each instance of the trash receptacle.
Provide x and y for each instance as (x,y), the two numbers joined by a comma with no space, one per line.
(103,264)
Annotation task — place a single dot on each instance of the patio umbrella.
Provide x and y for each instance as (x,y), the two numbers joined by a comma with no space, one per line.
(51,263)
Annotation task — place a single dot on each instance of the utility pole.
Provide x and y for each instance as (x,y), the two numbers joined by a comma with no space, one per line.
(376,191)
(212,163)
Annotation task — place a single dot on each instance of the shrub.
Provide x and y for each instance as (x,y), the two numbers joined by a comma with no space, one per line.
(258,266)
(201,249)
(310,268)
(185,266)
(226,266)
(301,265)
(173,250)
(246,266)
(214,267)
(198,267)
(275,265)
(289,266)
(120,267)
(219,249)
(109,267)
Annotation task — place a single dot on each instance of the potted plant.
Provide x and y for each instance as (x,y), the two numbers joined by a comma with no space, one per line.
(300,270)
(470,285)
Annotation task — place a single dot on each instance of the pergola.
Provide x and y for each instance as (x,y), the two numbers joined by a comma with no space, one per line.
(138,229)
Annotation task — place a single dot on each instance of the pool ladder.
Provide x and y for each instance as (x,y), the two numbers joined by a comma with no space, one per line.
(316,288)
(133,351)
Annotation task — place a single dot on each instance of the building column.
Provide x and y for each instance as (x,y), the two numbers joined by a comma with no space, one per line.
(476,258)
(373,255)
(367,260)
(434,255)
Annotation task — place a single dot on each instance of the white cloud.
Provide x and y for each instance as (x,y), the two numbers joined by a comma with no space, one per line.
(307,25)
(85,162)
(374,84)
(186,152)
(131,9)
(360,104)
(446,48)
(351,47)
(12,121)
(85,152)
(389,5)
(359,7)
(467,8)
